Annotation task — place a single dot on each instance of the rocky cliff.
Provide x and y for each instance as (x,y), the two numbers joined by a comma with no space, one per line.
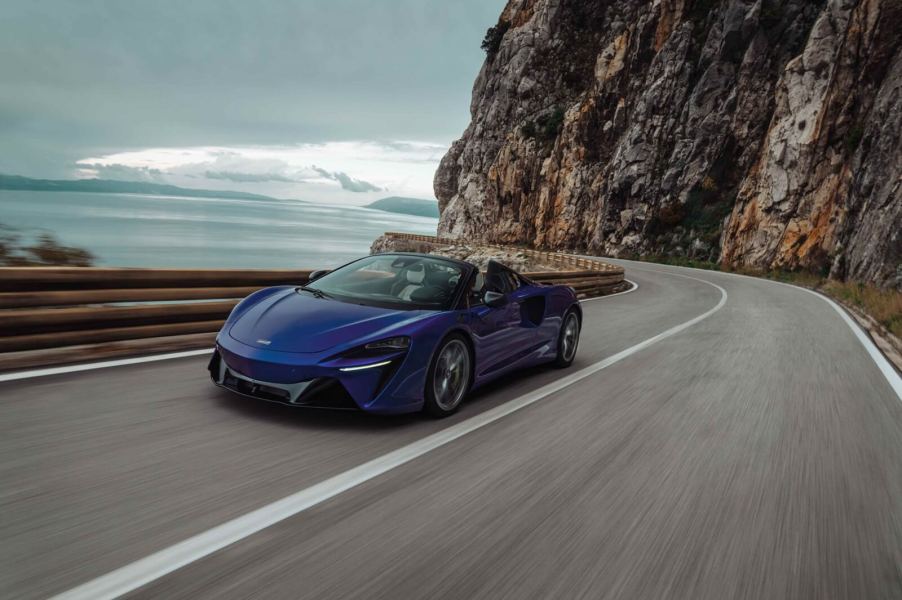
(757,133)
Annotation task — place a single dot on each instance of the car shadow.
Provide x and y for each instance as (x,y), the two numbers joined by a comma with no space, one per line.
(310,418)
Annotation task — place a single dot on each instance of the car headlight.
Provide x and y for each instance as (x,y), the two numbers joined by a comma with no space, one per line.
(395,343)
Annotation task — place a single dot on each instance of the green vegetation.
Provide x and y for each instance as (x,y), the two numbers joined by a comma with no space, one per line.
(44,251)
(493,36)
(407,206)
(706,209)
(701,217)
(110,186)
(884,305)
(546,127)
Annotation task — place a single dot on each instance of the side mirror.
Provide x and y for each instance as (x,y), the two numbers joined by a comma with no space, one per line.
(316,275)
(494,299)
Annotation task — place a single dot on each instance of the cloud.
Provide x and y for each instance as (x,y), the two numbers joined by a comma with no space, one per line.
(120,172)
(355,185)
(238,177)
(347,182)
(81,76)
(346,171)
(304,175)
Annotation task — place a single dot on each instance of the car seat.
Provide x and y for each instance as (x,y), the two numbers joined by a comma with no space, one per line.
(411,281)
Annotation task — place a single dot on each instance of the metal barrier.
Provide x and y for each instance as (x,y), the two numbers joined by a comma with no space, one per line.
(562,259)
(56,315)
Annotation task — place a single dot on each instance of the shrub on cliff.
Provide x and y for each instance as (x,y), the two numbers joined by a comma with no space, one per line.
(493,36)
(546,127)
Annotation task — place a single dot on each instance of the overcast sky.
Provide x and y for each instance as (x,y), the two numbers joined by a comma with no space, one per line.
(288,96)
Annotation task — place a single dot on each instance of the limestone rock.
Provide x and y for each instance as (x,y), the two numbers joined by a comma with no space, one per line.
(770,130)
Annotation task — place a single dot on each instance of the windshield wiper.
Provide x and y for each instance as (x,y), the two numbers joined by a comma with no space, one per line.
(316,292)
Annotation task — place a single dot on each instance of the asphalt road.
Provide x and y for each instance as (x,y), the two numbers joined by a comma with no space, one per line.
(752,453)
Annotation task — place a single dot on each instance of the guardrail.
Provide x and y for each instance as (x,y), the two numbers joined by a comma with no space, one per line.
(562,259)
(58,315)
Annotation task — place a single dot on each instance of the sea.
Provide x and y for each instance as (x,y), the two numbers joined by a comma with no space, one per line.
(134,230)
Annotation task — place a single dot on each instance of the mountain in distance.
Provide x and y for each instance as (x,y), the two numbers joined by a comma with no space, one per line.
(406,206)
(111,186)
(394,204)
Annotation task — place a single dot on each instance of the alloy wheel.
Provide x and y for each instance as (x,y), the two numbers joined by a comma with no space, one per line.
(452,372)
(570,337)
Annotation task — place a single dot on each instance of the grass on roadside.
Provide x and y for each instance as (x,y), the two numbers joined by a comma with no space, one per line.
(883,305)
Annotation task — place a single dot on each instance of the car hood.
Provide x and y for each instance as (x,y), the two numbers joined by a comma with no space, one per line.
(294,321)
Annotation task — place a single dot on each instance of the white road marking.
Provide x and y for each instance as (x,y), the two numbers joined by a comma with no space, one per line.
(150,568)
(886,368)
(632,289)
(100,365)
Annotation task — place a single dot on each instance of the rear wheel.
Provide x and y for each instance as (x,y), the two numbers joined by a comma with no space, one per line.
(568,340)
(448,378)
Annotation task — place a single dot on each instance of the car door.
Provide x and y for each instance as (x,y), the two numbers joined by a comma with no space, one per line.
(500,334)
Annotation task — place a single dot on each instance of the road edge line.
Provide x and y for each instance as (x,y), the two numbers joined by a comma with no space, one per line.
(882,363)
(47,371)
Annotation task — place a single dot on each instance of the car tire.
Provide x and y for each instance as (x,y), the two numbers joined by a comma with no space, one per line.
(567,340)
(449,377)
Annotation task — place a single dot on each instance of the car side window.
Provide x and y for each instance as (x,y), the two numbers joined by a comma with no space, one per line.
(502,281)
(513,281)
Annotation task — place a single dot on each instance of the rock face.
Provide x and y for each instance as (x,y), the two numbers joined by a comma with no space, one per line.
(757,133)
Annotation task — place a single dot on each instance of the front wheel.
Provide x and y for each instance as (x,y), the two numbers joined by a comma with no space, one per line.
(448,378)
(568,340)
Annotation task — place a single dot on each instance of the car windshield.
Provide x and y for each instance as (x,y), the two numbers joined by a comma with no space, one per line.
(395,280)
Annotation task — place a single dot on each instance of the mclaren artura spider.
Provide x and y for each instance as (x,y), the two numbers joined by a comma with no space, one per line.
(393,333)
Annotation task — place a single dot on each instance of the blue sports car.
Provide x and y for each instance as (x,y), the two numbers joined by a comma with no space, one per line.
(393,333)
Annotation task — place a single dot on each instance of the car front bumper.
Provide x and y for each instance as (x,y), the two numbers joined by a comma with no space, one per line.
(319,392)
(315,381)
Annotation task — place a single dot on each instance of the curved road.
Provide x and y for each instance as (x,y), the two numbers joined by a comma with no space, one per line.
(718,437)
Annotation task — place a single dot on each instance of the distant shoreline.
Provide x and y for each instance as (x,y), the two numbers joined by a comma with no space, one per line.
(407,206)
(394,204)
(145,230)
(113,186)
